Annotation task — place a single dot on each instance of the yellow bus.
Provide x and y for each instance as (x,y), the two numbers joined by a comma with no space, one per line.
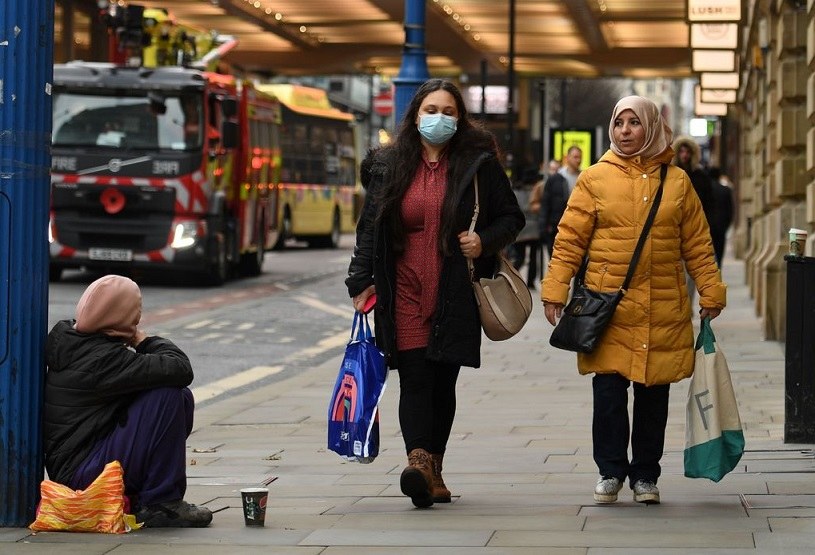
(317,167)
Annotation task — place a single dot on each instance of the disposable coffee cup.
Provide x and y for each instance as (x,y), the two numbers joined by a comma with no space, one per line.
(254,505)
(798,240)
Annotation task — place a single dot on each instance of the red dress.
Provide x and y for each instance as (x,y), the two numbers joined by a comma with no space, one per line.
(419,268)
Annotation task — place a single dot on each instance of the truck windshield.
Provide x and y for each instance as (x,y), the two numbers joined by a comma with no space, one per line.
(150,121)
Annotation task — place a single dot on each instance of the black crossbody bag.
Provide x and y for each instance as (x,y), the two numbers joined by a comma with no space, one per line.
(588,313)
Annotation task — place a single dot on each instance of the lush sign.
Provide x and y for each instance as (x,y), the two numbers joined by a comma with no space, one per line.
(714,10)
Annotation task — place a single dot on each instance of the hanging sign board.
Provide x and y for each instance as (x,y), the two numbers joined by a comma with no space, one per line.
(708,108)
(719,95)
(713,60)
(719,80)
(714,35)
(714,10)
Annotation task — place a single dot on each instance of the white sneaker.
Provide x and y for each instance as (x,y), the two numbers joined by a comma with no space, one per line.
(646,491)
(607,489)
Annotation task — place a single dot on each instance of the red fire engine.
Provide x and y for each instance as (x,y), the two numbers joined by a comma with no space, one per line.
(163,167)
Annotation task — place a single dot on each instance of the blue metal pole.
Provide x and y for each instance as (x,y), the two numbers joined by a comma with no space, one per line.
(414,70)
(26,69)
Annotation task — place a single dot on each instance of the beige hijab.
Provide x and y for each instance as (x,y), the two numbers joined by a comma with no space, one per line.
(657,133)
(110,305)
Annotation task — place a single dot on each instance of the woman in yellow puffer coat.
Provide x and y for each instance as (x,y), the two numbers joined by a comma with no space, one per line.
(649,341)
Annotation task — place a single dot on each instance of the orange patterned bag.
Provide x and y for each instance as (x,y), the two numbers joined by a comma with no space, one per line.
(100,508)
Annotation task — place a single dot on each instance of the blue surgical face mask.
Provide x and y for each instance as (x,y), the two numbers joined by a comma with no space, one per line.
(437,129)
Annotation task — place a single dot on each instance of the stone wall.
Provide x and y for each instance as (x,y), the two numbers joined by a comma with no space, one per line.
(777,154)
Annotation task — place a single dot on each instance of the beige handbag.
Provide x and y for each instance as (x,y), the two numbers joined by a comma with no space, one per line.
(504,301)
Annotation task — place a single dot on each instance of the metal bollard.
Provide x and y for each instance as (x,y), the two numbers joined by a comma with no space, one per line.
(799,386)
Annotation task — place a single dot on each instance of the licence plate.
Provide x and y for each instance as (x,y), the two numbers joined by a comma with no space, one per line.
(114,255)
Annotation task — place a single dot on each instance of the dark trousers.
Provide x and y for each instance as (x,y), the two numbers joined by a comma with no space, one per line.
(517,254)
(150,444)
(610,429)
(719,241)
(427,401)
(548,239)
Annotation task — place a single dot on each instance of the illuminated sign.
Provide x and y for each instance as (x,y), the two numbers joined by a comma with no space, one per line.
(719,95)
(562,141)
(714,10)
(714,35)
(708,108)
(713,60)
(719,80)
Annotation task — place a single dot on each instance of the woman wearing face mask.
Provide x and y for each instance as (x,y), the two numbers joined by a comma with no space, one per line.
(649,341)
(411,250)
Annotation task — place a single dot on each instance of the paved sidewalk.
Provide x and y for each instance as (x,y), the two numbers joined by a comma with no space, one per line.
(519,465)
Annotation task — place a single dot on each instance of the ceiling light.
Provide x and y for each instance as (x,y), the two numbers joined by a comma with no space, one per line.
(303,28)
(278,16)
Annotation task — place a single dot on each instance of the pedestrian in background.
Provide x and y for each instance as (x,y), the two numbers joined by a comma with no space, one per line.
(112,393)
(687,155)
(722,212)
(411,251)
(649,341)
(548,168)
(555,195)
(528,239)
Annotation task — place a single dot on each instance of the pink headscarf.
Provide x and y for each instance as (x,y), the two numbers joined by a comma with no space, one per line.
(110,305)
(657,133)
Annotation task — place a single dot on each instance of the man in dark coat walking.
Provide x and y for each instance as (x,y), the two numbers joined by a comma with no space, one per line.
(722,212)
(555,195)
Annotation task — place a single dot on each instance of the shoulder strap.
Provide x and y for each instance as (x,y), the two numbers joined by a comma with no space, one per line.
(476,210)
(472,226)
(581,272)
(645,229)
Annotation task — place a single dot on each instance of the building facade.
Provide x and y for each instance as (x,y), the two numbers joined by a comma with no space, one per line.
(774,160)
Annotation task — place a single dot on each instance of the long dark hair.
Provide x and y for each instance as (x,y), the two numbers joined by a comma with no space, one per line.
(405,154)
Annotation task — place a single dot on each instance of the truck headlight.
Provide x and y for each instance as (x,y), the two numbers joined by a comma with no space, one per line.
(184,235)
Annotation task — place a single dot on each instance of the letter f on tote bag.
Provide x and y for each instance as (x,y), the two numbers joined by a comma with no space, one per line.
(353,414)
(714,441)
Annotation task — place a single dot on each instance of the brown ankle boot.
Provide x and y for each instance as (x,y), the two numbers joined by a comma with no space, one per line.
(417,478)
(440,492)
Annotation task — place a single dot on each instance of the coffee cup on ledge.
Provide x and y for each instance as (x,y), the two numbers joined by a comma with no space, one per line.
(798,240)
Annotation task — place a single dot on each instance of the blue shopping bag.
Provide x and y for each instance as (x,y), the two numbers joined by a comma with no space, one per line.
(353,415)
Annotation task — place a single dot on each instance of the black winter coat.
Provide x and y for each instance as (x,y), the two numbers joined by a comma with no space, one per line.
(91,380)
(455,328)
(554,198)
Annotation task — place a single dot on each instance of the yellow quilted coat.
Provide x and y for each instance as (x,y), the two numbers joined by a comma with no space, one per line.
(650,337)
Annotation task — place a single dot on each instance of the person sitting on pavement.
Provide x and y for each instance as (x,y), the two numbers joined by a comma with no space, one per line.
(114,394)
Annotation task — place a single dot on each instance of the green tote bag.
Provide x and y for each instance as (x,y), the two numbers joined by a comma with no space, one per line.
(714,441)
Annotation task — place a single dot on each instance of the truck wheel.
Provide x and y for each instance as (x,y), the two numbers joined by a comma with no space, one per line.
(285,231)
(219,267)
(54,273)
(252,262)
